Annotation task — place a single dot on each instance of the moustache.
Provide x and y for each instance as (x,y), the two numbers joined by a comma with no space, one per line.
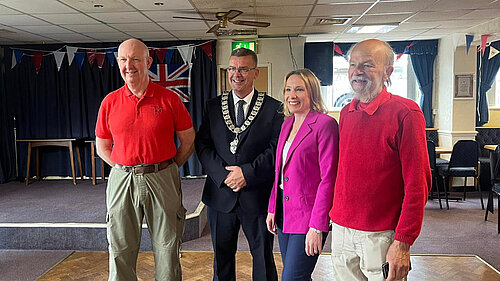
(359,77)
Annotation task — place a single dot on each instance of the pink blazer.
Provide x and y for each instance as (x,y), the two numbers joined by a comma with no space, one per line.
(308,174)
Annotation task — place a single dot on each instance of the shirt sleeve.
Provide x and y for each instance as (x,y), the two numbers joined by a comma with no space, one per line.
(416,176)
(102,130)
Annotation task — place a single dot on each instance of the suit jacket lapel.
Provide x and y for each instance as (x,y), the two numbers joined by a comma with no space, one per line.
(252,103)
(230,105)
(305,129)
(285,131)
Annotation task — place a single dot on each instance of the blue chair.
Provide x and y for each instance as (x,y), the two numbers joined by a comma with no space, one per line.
(431,150)
(495,184)
(463,163)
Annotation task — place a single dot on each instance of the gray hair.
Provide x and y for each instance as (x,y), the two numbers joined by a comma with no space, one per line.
(243,52)
(389,53)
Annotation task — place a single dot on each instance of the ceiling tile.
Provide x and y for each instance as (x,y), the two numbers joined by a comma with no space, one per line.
(25,36)
(77,18)
(482,14)
(43,29)
(382,19)
(458,23)
(457,5)
(126,27)
(5,41)
(167,5)
(69,37)
(312,20)
(285,22)
(109,36)
(285,11)
(184,25)
(38,6)
(345,1)
(125,17)
(191,34)
(87,6)
(397,7)
(408,25)
(263,3)
(439,32)
(161,16)
(278,30)
(87,28)
(437,16)
(154,35)
(7,11)
(222,5)
(18,20)
(324,28)
(340,10)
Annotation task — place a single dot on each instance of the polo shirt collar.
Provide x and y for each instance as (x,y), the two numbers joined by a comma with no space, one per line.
(374,104)
(149,90)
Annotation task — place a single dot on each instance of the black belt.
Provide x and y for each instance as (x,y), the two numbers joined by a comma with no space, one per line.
(146,169)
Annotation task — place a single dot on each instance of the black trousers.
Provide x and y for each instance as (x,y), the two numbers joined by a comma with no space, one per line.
(224,228)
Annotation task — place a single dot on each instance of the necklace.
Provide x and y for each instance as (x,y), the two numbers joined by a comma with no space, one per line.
(233,146)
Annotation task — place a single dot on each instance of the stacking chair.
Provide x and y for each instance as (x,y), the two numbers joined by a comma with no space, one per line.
(431,149)
(463,163)
(495,184)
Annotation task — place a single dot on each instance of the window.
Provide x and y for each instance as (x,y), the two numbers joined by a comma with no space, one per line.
(494,93)
(339,94)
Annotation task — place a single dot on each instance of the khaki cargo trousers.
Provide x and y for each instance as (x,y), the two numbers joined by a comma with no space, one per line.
(157,197)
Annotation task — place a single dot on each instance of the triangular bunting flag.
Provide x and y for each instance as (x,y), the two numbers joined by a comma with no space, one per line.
(17,55)
(71,53)
(468,40)
(168,56)
(116,55)
(186,53)
(207,48)
(160,53)
(100,59)
(151,52)
(484,39)
(337,49)
(79,59)
(37,60)
(91,56)
(493,52)
(111,58)
(399,56)
(58,56)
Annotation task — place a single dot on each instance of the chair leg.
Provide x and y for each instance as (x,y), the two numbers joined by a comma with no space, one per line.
(480,193)
(438,193)
(447,188)
(498,213)
(489,205)
(465,189)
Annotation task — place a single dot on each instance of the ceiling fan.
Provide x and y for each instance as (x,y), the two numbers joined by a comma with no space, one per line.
(224,17)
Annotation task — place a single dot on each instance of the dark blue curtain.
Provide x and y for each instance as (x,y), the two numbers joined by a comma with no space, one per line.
(7,148)
(486,72)
(423,54)
(64,103)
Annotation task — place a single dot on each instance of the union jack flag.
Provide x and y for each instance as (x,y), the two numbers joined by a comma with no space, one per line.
(175,77)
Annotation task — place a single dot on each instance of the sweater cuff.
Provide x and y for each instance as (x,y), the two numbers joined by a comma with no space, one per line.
(405,238)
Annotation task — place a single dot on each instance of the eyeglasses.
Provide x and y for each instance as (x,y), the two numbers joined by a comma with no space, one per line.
(242,70)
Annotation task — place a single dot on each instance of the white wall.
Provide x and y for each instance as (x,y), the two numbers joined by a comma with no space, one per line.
(273,51)
(443,85)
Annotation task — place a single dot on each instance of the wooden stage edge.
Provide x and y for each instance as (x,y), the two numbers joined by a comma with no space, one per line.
(197,266)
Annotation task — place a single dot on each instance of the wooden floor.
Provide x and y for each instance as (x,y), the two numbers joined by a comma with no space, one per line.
(198,266)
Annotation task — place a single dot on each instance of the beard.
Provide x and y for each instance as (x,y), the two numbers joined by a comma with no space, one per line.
(363,88)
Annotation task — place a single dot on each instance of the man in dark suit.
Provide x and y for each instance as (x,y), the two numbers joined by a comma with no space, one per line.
(236,144)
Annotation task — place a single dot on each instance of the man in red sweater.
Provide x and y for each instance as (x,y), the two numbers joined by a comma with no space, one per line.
(383,176)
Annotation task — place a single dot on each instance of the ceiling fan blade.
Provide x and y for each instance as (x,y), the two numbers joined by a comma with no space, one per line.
(233,13)
(188,18)
(251,23)
(214,29)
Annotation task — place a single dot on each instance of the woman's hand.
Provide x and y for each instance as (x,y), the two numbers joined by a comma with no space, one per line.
(314,243)
(271,224)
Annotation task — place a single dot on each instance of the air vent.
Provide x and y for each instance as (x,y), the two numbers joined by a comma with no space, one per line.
(332,21)
(235,32)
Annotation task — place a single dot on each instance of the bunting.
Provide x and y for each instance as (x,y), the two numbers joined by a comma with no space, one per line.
(207,48)
(59,56)
(493,52)
(406,50)
(17,55)
(337,49)
(186,52)
(71,53)
(99,57)
(91,56)
(468,41)
(79,59)
(37,60)
(160,53)
(484,39)
(168,56)
(111,58)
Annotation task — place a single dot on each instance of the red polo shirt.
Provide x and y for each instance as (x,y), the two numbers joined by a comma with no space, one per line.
(142,129)
(383,175)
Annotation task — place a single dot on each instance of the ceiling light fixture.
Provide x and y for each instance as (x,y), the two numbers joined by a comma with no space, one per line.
(332,21)
(98,6)
(159,3)
(373,28)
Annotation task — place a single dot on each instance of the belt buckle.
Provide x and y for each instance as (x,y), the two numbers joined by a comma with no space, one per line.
(134,170)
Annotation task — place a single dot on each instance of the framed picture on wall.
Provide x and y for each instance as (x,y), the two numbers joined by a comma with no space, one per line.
(464,84)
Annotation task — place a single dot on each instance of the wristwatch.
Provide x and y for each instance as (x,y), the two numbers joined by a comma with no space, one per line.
(315,230)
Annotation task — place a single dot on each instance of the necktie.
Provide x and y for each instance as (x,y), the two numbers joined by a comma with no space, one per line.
(240,114)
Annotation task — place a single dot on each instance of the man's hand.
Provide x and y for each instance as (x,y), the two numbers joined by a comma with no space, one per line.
(271,224)
(398,257)
(313,243)
(235,179)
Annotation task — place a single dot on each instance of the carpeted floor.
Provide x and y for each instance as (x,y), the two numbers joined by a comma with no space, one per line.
(460,230)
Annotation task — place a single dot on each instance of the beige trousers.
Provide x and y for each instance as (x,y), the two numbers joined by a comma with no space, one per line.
(157,197)
(359,255)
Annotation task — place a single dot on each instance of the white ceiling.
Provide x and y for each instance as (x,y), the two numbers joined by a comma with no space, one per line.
(72,21)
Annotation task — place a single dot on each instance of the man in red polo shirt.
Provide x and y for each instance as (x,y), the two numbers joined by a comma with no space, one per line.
(135,135)
(383,175)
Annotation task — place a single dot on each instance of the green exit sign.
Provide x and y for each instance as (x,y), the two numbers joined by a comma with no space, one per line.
(245,44)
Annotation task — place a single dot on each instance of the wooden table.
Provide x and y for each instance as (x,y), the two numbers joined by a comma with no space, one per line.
(443,150)
(93,156)
(36,143)
(491,147)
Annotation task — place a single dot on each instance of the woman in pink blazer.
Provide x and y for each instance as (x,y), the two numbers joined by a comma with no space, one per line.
(306,167)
